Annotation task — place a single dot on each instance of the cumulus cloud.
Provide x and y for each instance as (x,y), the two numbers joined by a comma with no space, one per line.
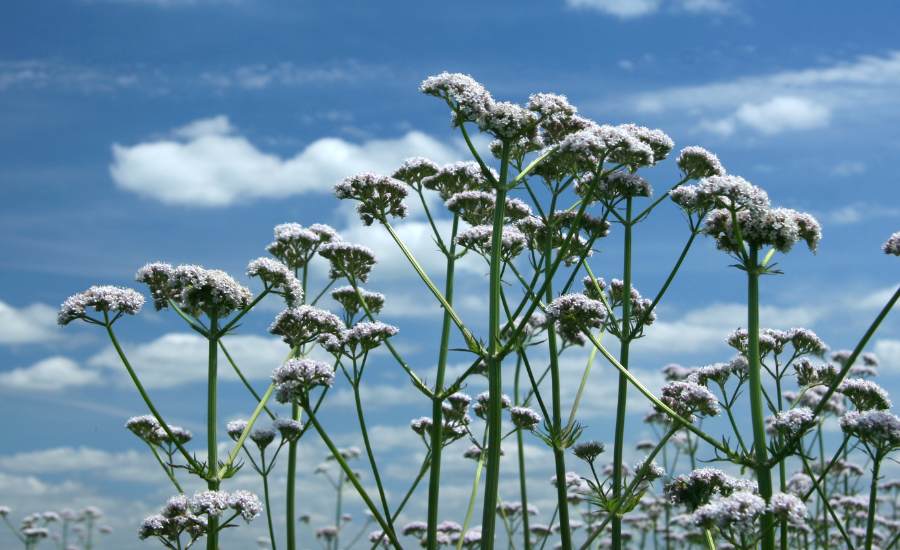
(773,116)
(207,163)
(888,351)
(859,212)
(130,465)
(180,358)
(27,325)
(630,9)
(51,374)
(783,101)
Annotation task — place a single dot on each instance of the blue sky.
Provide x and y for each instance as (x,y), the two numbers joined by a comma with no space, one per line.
(183,130)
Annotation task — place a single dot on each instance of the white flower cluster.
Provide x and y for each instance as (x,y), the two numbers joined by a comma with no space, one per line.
(378,196)
(573,313)
(303,324)
(294,244)
(102,299)
(296,376)
(349,260)
(480,237)
(279,278)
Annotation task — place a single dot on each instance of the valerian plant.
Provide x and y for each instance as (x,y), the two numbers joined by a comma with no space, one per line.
(556,187)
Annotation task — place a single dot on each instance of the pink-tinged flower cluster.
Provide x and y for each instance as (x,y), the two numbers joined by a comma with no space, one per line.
(105,299)
(378,196)
(279,278)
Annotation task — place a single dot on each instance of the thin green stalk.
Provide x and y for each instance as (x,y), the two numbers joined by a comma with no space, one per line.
(495,387)
(762,468)
(710,542)
(559,457)
(212,536)
(166,468)
(336,453)
(622,395)
(242,377)
(339,498)
(371,455)
(265,477)
(873,500)
(232,455)
(523,486)
(437,413)
(472,498)
(140,388)
(826,509)
(291,488)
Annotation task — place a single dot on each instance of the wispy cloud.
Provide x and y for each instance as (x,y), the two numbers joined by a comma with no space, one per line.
(630,9)
(783,101)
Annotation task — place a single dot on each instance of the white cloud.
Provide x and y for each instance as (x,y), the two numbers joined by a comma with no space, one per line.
(859,212)
(848,168)
(773,116)
(28,325)
(206,163)
(786,100)
(707,327)
(630,9)
(180,358)
(130,465)
(888,352)
(51,374)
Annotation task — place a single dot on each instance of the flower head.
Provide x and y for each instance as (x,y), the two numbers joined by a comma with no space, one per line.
(687,398)
(588,451)
(210,291)
(698,487)
(477,207)
(414,170)
(523,417)
(235,428)
(365,336)
(878,428)
(378,196)
(211,503)
(697,162)
(145,426)
(156,276)
(788,507)
(483,401)
(794,422)
(294,244)
(303,324)
(737,511)
(892,245)
(556,116)
(458,177)
(865,394)
(349,300)
(245,503)
(102,299)
(469,100)
(277,277)
(574,313)
(289,429)
(296,376)
(479,239)
(353,261)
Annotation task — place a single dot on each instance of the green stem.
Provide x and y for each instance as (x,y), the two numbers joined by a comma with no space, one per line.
(336,453)
(265,477)
(140,388)
(246,432)
(523,486)
(761,466)
(710,542)
(622,395)
(495,387)
(166,468)
(437,413)
(212,458)
(559,457)
(472,498)
(873,501)
(243,378)
(371,455)
(291,488)
(337,509)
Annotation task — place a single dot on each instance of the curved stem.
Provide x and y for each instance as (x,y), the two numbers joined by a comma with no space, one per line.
(523,486)
(243,378)
(265,477)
